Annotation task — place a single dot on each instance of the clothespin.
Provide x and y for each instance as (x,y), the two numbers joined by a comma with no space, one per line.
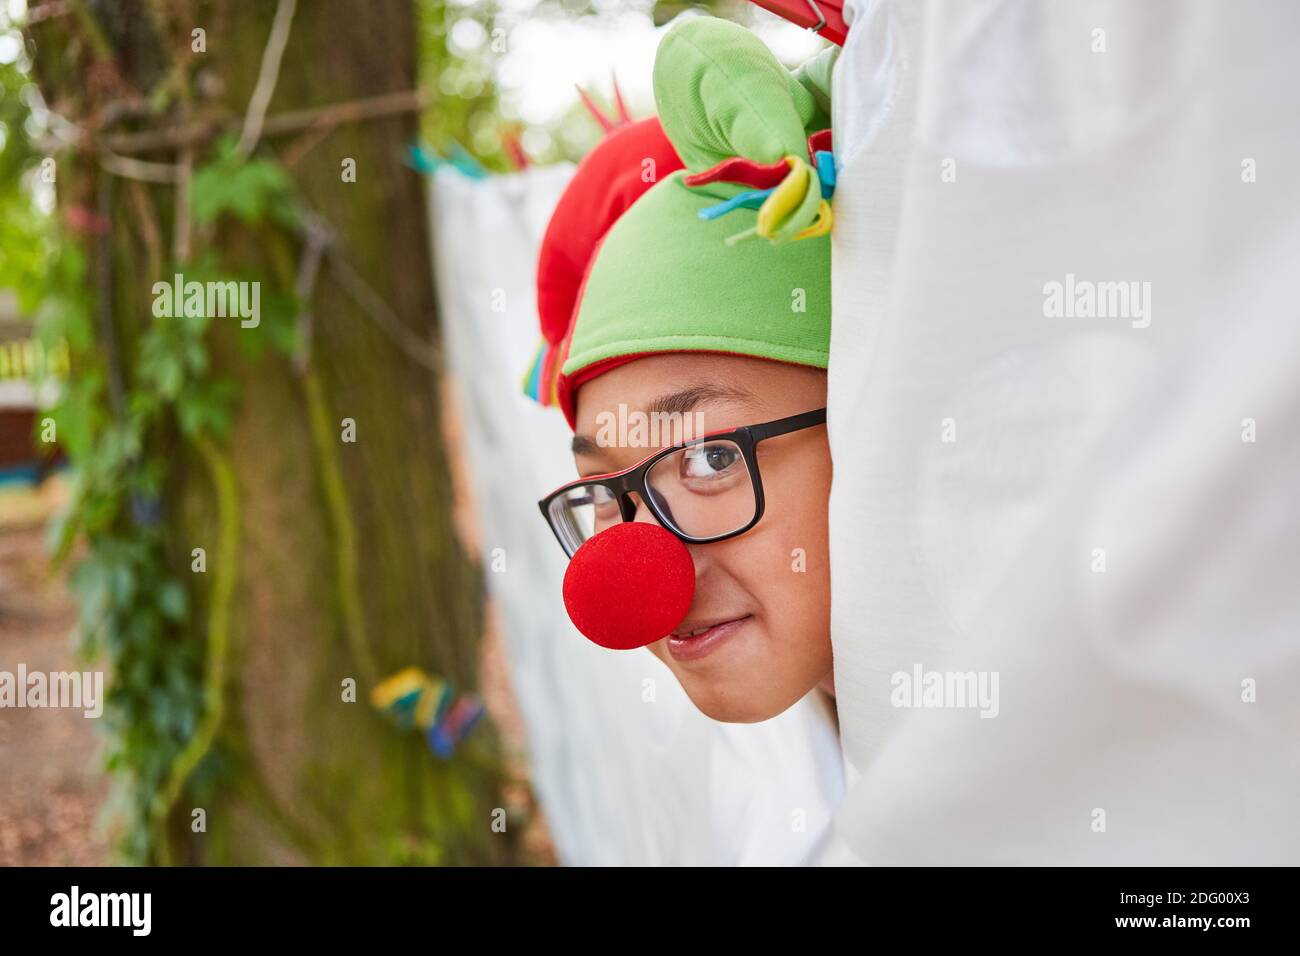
(419,701)
(514,148)
(423,159)
(444,736)
(823,17)
(462,159)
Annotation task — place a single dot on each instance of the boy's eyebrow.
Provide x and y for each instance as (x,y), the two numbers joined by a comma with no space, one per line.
(582,445)
(685,399)
(679,402)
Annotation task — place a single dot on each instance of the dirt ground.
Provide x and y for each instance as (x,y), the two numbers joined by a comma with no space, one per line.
(51,781)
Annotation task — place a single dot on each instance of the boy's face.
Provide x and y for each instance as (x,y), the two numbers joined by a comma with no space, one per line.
(767,590)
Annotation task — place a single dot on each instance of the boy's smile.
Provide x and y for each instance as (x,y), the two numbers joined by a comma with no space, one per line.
(690,642)
(756,638)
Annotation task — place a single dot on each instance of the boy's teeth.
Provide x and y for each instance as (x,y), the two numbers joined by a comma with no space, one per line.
(683,635)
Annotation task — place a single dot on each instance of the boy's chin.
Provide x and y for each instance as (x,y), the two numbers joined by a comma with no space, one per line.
(747,688)
(730,707)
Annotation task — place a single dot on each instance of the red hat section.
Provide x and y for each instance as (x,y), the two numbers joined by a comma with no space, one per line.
(614,175)
(629,586)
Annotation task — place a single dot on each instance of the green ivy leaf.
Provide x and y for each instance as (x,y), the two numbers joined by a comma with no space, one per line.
(246,189)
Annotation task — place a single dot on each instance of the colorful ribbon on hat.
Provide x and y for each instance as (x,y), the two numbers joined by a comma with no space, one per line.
(416,700)
(792,197)
(541,380)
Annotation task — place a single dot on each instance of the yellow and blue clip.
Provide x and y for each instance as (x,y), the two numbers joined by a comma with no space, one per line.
(415,700)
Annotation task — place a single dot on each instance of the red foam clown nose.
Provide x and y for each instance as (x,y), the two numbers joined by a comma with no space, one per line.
(629,585)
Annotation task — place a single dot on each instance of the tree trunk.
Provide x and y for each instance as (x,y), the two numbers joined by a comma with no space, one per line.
(327,559)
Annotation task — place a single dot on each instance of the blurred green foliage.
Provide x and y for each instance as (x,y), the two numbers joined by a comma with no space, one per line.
(463,44)
(132,604)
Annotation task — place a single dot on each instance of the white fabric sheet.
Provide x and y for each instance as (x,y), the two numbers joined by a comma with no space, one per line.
(989,458)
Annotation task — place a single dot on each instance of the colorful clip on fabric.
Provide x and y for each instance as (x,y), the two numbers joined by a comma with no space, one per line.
(444,736)
(824,17)
(415,700)
(424,159)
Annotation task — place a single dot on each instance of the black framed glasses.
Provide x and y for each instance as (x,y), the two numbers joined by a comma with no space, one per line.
(703,490)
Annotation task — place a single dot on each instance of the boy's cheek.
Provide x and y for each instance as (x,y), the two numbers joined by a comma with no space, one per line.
(658,650)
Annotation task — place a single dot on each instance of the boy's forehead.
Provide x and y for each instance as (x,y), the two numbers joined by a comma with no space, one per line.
(675,383)
(712,392)
(673,416)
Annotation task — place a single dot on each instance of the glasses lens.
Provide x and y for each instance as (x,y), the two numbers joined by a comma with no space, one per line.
(704,490)
(582,511)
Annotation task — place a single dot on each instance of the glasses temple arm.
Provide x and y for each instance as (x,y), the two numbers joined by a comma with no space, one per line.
(784,425)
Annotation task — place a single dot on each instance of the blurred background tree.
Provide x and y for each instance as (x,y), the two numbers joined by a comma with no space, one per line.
(323,560)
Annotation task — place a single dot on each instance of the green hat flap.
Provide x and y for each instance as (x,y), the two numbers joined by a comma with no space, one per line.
(731,254)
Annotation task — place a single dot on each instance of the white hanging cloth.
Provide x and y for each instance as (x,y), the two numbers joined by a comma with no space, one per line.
(1097,503)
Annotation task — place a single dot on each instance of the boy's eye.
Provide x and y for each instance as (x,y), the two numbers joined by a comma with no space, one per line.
(604,500)
(597,496)
(709,461)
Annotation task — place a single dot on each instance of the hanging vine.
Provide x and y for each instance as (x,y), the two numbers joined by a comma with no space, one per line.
(165,705)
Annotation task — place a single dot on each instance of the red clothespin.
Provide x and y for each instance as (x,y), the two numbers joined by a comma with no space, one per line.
(823,17)
(514,148)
